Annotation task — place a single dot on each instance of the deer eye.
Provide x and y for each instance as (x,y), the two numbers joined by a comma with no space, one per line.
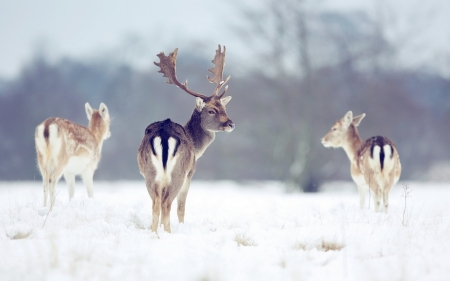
(211,112)
(334,129)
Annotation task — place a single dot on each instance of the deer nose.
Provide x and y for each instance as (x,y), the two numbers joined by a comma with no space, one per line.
(231,124)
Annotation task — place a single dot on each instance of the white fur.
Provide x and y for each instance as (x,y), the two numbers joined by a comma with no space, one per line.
(388,161)
(199,104)
(58,155)
(77,165)
(225,100)
(375,160)
(163,176)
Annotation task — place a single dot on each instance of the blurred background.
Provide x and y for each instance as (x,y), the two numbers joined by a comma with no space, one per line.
(297,66)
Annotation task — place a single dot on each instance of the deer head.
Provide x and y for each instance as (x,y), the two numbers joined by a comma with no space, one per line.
(211,108)
(339,133)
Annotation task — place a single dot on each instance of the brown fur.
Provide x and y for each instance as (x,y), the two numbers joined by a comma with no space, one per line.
(366,171)
(180,146)
(64,147)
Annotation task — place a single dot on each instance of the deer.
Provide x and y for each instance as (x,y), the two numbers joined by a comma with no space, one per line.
(168,152)
(69,149)
(374,163)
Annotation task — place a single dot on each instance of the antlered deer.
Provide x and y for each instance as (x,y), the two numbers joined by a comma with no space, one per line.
(64,147)
(169,151)
(374,163)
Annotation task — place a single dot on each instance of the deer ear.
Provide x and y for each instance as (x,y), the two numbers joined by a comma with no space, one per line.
(348,118)
(225,100)
(199,104)
(89,110)
(103,109)
(357,119)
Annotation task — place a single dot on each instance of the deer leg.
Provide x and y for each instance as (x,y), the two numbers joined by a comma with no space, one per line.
(166,205)
(388,186)
(362,195)
(52,182)
(386,200)
(376,196)
(88,179)
(155,194)
(70,180)
(181,199)
(45,185)
(377,199)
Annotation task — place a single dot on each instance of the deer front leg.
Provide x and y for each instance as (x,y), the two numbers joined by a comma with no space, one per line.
(88,179)
(362,188)
(70,180)
(181,200)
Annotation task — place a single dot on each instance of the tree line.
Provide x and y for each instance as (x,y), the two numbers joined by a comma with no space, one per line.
(281,109)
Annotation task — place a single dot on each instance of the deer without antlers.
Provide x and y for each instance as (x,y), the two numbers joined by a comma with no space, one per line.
(169,151)
(374,163)
(64,147)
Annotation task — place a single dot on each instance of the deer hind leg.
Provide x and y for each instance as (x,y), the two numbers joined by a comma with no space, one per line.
(377,195)
(70,180)
(45,184)
(362,189)
(387,188)
(386,200)
(166,205)
(154,191)
(52,182)
(53,179)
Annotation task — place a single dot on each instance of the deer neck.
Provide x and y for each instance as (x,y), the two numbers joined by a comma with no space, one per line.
(98,136)
(353,143)
(200,137)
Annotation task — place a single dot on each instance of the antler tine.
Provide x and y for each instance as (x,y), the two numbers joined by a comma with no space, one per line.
(219,62)
(224,91)
(167,65)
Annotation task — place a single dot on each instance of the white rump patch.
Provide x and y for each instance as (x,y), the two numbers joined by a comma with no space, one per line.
(40,140)
(375,159)
(387,151)
(388,160)
(162,175)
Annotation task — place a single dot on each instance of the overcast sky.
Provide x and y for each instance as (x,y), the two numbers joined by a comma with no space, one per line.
(83,28)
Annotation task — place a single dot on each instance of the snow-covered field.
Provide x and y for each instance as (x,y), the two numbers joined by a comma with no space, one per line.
(251,231)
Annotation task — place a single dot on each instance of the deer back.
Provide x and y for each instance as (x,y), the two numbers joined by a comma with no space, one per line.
(166,150)
(62,140)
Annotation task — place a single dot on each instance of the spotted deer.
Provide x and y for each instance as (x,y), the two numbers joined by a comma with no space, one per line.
(169,151)
(374,163)
(64,147)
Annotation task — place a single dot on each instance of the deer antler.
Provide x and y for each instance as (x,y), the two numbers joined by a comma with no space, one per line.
(219,62)
(167,65)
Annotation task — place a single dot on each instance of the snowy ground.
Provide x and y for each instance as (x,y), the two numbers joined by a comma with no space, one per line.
(233,231)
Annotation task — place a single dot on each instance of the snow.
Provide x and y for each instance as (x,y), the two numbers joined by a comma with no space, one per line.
(233,231)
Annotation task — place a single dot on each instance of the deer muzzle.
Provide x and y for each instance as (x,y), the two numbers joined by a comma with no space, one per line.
(228,126)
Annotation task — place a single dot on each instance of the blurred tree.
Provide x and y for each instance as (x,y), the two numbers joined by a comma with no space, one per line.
(298,42)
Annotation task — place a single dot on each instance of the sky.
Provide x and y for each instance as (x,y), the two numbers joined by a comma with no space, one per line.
(84,29)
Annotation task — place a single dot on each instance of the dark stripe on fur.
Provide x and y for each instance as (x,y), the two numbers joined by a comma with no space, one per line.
(381,142)
(164,132)
(46,132)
